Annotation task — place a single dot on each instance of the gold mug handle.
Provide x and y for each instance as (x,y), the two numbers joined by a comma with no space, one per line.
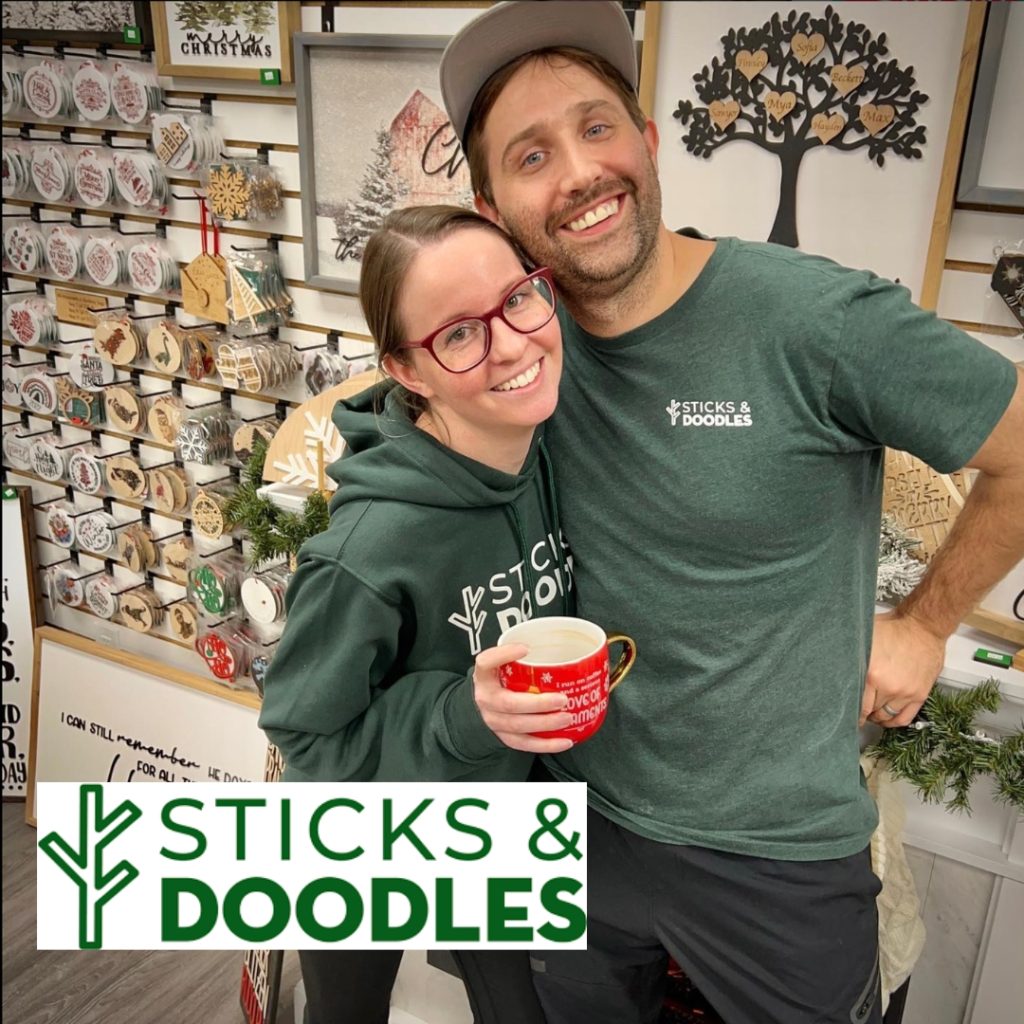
(626,658)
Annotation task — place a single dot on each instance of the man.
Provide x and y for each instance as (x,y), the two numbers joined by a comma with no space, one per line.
(718,446)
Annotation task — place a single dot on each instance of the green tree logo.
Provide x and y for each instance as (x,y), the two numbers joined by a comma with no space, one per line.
(84,866)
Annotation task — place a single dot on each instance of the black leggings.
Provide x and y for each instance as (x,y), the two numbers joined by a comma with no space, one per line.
(354,986)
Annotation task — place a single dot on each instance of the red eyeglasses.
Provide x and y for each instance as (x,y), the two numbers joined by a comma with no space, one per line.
(462,344)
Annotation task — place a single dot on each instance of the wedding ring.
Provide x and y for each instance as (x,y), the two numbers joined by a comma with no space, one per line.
(889,711)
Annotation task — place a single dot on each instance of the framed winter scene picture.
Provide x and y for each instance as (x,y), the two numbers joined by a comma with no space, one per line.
(373,137)
(249,40)
(117,22)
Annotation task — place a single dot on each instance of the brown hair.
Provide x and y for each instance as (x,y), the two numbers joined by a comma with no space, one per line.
(387,257)
(489,92)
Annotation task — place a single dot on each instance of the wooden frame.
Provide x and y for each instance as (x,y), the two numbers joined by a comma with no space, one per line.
(85,37)
(313,51)
(289,18)
(18,736)
(134,662)
(970,189)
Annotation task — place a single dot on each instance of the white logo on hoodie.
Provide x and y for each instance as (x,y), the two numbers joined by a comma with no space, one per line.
(472,620)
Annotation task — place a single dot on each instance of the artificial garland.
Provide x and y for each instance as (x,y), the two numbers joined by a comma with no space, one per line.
(943,750)
(899,571)
(273,532)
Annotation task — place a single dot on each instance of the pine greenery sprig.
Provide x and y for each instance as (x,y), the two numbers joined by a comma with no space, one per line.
(273,532)
(898,570)
(943,752)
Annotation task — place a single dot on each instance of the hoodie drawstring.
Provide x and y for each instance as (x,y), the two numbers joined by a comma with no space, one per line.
(556,527)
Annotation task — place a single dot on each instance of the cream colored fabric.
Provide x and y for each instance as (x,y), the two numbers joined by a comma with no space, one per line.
(901,931)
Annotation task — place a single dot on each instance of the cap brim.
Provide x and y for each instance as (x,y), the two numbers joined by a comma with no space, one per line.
(509,30)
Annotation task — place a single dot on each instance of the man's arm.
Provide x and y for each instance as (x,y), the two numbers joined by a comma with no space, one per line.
(985,543)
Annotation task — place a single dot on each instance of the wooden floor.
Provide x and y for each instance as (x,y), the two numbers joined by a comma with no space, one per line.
(75,987)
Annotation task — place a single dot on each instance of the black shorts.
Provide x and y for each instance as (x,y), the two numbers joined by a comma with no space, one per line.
(765,941)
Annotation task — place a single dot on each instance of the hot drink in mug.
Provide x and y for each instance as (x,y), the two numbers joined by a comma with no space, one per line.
(570,656)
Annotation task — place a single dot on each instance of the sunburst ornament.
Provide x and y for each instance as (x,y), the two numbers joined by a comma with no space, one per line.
(1008,282)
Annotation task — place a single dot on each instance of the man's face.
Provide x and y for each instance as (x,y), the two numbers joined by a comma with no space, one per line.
(573,179)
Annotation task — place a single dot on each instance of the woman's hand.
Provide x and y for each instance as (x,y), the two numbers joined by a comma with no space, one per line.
(513,716)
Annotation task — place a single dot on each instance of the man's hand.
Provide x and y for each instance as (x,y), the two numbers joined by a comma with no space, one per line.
(513,716)
(906,659)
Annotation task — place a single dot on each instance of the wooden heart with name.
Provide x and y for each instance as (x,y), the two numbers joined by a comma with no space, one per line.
(750,65)
(805,48)
(875,119)
(826,127)
(723,112)
(778,106)
(845,79)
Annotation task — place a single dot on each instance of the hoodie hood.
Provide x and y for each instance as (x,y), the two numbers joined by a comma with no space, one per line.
(398,462)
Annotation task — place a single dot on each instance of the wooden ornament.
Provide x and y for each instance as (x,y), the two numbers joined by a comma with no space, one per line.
(137,612)
(161,490)
(124,410)
(845,80)
(875,119)
(204,287)
(179,484)
(723,113)
(750,65)
(228,192)
(163,347)
(779,105)
(184,621)
(805,48)
(292,456)
(178,558)
(126,477)
(129,550)
(244,302)
(164,419)
(117,341)
(208,515)
(197,354)
(923,502)
(827,127)
(246,436)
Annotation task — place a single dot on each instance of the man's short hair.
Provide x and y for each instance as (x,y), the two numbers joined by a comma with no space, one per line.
(489,92)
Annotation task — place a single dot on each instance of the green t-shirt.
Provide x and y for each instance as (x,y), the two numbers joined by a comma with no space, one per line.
(720,471)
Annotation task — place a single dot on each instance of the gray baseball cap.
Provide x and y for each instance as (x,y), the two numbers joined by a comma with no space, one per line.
(508,30)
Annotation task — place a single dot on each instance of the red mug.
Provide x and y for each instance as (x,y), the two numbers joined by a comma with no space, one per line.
(570,656)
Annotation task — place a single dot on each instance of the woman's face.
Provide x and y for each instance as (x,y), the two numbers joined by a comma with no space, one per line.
(516,386)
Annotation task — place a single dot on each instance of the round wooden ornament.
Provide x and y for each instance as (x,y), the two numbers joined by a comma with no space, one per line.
(96,532)
(161,490)
(184,621)
(68,587)
(179,483)
(208,515)
(137,612)
(208,586)
(85,472)
(117,341)
(101,596)
(164,419)
(163,346)
(178,558)
(60,525)
(47,460)
(124,410)
(126,477)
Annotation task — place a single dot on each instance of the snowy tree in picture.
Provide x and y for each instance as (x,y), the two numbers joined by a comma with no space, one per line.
(380,191)
(800,84)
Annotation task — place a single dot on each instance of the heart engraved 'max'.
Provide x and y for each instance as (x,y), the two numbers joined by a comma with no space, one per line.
(876,118)
(778,106)
(723,112)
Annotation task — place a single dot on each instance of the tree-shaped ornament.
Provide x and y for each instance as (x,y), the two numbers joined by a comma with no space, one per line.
(799,84)
(244,302)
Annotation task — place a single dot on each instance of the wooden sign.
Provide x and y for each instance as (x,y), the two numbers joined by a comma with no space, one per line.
(204,288)
(110,716)
(723,112)
(292,457)
(845,79)
(805,48)
(827,127)
(876,118)
(19,619)
(73,307)
(750,65)
(779,105)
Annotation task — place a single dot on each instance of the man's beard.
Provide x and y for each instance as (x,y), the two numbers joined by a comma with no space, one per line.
(597,271)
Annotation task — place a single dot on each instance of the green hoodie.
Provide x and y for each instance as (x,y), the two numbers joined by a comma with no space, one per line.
(428,558)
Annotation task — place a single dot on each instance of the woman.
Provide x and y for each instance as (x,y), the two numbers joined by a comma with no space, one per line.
(443,533)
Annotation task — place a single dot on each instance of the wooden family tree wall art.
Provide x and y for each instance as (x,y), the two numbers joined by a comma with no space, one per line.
(799,84)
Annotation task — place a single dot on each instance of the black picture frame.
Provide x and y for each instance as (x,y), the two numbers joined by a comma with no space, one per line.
(73,37)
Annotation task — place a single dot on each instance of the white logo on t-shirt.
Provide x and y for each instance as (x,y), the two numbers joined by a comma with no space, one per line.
(709,414)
